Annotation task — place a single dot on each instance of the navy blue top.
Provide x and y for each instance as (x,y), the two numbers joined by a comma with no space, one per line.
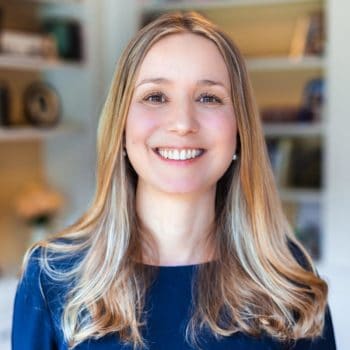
(38,306)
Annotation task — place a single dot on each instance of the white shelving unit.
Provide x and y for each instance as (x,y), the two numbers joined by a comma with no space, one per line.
(13,62)
(294,129)
(25,133)
(293,195)
(285,63)
(156,5)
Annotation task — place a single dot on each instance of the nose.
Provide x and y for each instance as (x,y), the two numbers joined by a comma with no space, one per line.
(182,119)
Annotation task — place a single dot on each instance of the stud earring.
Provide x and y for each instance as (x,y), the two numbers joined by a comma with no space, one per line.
(234,156)
(124,152)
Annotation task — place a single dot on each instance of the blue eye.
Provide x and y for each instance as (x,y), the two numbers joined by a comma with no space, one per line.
(157,97)
(209,98)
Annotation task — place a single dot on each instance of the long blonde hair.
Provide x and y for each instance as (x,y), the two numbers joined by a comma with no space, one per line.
(255,286)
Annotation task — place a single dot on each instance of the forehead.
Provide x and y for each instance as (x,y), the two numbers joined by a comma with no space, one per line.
(184,56)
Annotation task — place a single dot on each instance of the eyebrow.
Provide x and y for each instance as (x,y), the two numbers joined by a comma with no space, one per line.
(167,81)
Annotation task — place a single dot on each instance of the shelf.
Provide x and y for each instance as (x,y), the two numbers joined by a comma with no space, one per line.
(286,63)
(293,129)
(56,1)
(8,61)
(301,195)
(43,2)
(24,133)
(159,6)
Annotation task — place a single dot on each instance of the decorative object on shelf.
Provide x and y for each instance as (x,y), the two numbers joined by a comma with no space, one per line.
(37,204)
(310,110)
(68,36)
(42,106)
(282,113)
(313,96)
(5,119)
(309,36)
(315,40)
(21,43)
(296,162)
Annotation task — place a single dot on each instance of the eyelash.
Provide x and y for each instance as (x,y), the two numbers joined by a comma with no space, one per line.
(160,94)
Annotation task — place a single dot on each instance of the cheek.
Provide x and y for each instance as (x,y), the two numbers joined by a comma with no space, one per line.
(222,126)
(140,123)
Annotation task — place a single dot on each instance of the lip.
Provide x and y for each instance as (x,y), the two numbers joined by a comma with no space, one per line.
(178,148)
(178,162)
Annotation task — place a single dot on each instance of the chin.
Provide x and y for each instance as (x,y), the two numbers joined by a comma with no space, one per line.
(183,188)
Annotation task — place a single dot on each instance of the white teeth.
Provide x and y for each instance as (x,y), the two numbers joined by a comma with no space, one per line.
(176,154)
(179,155)
(183,154)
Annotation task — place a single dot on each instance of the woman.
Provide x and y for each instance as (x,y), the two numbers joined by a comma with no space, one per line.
(185,243)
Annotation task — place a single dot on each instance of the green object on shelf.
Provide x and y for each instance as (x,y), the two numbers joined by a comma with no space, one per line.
(67,34)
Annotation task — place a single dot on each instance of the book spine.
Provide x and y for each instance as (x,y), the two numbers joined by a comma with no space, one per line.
(27,44)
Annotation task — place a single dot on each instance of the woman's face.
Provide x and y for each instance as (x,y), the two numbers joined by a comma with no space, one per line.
(181,128)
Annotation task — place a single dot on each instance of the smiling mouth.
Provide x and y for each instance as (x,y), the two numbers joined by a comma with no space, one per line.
(179,154)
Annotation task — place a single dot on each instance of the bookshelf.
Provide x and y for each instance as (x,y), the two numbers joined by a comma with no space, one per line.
(274,37)
(59,154)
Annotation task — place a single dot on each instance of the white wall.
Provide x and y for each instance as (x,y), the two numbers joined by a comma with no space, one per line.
(337,209)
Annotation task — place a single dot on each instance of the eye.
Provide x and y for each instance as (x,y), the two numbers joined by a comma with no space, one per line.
(209,98)
(155,98)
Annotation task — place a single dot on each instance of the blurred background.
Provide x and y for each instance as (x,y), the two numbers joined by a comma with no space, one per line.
(57,58)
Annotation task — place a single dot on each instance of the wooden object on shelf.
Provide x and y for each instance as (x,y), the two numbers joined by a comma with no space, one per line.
(298,43)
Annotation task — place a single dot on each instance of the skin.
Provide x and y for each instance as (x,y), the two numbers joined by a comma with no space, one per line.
(182,99)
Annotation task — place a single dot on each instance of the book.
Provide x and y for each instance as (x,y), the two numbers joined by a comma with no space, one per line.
(279,151)
(305,164)
(308,36)
(16,42)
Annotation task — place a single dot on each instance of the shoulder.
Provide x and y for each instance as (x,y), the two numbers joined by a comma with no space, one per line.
(41,263)
(47,277)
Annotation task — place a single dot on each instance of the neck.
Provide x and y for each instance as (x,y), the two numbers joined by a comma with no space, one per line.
(179,226)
